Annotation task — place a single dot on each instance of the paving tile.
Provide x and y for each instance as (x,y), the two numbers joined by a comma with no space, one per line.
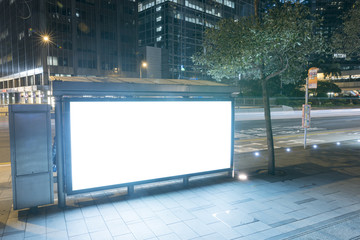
(188,204)
(167,202)
(140,230)
(76,227)
(117,227)
(130,216)
(171,236)
(35,226)
(36,237)
(90,211)
(59,235)
(270,216)
(154,204)
(55,224)
(14,236)
(183,231)
(182,214)
(73,214)
(108,211)
(137,203)
(300,214)
(81,237)
(128,236)
(95,224)
(199,227)
(269,233)
(145,213)
(14,225)
(205,216)
(101,235)
(122,206)
(167,216)
(233,218)
(224,230)
(214,236)
(283,222)
(245,230)
(158,227)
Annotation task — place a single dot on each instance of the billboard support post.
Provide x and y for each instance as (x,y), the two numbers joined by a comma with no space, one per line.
(59,153)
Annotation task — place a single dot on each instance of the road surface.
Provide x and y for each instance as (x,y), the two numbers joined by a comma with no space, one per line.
(326,126)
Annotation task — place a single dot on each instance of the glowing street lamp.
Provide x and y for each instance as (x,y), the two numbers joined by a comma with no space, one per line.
(46,38)
(143,65)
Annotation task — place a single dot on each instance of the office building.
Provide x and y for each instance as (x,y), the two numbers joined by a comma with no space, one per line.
(332,12)
(177,28)
(86,38)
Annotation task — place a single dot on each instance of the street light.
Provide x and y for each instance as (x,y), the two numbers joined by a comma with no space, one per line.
(143,65)
(47,41)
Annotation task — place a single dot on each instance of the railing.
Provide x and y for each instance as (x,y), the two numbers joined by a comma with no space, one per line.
(297,102)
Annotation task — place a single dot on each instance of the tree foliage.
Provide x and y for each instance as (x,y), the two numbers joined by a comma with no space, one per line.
(280,44)
(324,87)
(347,39)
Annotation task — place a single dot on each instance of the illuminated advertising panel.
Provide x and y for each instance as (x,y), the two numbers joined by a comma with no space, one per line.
(119,142)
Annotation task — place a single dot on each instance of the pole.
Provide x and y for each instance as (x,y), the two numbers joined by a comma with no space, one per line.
(48,68)
(140,71)
(306,103)
(48,62)
(59,153)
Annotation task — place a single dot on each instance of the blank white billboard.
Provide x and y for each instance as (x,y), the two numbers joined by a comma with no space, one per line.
(128,141)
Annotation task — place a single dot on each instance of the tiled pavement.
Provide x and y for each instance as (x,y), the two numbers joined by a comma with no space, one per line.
(316,195)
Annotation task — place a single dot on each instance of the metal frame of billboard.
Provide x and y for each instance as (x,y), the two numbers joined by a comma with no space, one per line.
(66,92)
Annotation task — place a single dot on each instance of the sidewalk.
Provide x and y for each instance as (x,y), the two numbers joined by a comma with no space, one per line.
(316,195)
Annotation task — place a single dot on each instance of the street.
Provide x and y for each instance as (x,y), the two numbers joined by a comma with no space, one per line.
(326,126)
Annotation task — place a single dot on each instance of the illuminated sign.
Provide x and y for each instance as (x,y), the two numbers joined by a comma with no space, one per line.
(312,76)
(121,142)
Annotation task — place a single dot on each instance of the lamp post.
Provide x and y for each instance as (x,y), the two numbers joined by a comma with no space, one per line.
(143,65)
(47,41)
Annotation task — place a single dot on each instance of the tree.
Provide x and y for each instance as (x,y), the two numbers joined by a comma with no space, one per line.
(324,87)
(277,46)
(347,40)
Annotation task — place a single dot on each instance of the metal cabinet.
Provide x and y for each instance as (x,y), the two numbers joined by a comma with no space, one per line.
(30,147)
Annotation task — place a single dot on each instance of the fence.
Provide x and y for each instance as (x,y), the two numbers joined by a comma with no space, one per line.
(297,102)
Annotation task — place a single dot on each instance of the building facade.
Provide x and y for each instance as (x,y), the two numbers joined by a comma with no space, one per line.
(177,27)
(332,12)
(86,38)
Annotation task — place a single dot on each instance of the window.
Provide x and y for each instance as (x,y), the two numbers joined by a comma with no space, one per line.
(229,3)
(52,61)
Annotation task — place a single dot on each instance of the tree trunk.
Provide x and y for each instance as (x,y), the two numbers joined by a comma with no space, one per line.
(269,134)
(256,8)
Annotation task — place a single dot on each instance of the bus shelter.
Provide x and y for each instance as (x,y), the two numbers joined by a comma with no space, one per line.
(113,132)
